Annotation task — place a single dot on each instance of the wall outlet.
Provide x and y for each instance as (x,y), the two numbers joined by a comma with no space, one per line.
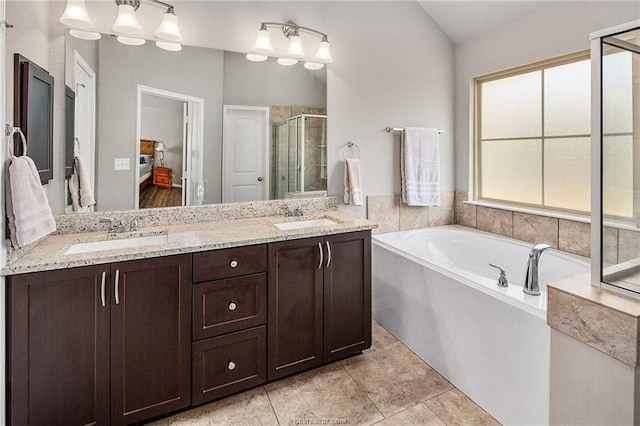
(120,164)
(199,190)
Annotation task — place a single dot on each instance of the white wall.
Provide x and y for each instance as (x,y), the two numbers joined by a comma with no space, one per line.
(554,31)
(269,83)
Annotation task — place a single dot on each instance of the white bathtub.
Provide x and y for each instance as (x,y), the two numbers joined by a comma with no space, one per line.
(433,290)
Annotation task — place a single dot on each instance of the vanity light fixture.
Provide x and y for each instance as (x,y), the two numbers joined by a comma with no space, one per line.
(262,47)
(126,24)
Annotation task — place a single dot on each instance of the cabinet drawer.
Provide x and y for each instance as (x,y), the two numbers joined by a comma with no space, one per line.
(227,263)
(228,305)
(228,364)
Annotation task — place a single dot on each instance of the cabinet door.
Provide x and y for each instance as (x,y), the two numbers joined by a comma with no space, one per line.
(347,294)
(295,307)
(150,338)
(58,354)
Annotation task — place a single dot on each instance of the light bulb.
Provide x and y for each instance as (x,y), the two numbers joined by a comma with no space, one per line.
(263,42)
(85,35)
(313,65)
(172,47)
(131,41)
(126,21)
(168,28)
(76,15)
(323,55)
(295,47)
(256,58)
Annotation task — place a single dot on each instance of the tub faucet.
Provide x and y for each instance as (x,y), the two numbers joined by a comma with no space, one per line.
(531,286)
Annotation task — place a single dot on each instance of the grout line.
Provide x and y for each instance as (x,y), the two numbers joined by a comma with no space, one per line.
(366,394)
(264,388)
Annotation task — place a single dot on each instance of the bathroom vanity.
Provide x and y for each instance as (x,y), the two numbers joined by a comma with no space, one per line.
(221,307)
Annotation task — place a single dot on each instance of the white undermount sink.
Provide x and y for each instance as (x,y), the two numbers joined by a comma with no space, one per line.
(301,224)
(123,243)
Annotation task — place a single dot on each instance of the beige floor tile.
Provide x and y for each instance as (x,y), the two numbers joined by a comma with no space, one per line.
(248,408)
(419,415)
(323,395)
(455,408)
(395,379)
(380,337)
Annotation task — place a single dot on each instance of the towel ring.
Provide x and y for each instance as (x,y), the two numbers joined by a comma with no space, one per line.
(354,147)
(10,133)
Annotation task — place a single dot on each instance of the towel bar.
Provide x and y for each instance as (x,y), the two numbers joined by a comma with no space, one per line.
(353,146)
(400,129)
(10,131)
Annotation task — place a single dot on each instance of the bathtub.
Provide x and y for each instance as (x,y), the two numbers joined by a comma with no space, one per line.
(434,290)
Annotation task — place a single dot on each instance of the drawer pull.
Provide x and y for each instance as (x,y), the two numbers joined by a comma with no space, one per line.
(232,306)
(231,365)
(234,263)
(321,255)
(103,287)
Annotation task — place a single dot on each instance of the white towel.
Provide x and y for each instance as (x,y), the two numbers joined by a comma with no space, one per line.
(80,186)
(352,182)
(28,209)
(420,167)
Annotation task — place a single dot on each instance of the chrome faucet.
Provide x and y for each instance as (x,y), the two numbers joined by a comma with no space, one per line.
(531,286)
(288,212)
(114,225)
(133,225)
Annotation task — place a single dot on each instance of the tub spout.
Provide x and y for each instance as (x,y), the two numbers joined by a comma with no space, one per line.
(531,286)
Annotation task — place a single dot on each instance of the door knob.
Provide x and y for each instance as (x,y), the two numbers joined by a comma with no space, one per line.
(260,179)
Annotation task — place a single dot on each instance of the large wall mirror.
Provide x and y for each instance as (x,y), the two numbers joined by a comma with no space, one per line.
(155,128)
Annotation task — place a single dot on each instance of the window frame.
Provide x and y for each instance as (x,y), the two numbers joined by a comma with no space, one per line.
(477,128)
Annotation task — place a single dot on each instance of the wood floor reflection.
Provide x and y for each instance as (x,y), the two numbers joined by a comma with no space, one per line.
(154,196)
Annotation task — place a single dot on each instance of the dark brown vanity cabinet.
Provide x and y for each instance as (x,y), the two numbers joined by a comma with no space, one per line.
(105,344)
(347,295)
(319,301)
(229,321)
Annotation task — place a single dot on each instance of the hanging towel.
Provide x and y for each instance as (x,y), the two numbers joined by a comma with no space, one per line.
(352,182)
(27,206)
(80,186)
(420,167)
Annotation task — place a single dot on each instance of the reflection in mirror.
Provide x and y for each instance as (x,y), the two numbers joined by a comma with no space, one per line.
(125,94)
(620,159)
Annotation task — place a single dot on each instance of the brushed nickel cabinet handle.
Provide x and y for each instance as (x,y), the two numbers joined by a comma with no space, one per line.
(321,255)
(102,288)
(328,253)
(231,365)
(117,286)
(234,263)
(232,306)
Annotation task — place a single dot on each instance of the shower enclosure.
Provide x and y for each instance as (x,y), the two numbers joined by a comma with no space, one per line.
(615,57)
(300,157)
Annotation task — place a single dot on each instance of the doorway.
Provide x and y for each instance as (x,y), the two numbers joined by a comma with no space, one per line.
(173,123)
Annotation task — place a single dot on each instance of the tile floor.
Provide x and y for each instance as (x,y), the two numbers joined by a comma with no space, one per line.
(386,385)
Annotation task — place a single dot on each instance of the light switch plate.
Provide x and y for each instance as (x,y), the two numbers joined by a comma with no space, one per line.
(120,164)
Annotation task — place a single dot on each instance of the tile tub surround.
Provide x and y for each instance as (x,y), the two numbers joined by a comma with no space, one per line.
(353,391)
(393,215)
(188,237)
(565,235)
(602,319)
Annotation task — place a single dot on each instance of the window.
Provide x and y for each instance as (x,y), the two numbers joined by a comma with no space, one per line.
(533,130)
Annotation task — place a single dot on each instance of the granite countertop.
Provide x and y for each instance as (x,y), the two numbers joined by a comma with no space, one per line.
(181,238)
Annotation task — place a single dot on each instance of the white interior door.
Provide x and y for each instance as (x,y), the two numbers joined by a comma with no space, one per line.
(85,117)
(245,153)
